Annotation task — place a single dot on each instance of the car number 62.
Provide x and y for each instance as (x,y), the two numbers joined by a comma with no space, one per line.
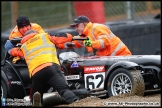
(94,80)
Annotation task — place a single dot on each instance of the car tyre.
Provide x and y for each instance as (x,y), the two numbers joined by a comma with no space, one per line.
(3,90)
(123,81)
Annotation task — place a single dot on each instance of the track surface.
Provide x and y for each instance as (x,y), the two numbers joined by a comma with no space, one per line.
(150,99)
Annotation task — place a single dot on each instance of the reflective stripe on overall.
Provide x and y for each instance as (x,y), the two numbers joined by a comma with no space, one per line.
(102,42)
(45,45)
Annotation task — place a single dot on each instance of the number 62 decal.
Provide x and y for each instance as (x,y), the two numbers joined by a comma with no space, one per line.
(94,80)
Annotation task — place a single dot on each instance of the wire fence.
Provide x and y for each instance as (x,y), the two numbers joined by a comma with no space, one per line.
(57,14)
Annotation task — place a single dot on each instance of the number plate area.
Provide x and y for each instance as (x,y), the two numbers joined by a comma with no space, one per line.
(94,77)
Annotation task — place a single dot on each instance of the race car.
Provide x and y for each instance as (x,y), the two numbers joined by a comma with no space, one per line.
(101,76)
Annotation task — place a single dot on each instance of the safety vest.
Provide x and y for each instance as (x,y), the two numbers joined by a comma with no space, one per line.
(39,50)
(114,45)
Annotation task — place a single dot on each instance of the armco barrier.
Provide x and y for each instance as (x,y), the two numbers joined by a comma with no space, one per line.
(142,38)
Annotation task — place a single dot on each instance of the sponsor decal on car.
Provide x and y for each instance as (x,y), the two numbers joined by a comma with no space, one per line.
(93,69)
(75,64)
(72,77)
(14,82)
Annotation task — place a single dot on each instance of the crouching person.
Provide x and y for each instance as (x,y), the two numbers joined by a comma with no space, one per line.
(40,54)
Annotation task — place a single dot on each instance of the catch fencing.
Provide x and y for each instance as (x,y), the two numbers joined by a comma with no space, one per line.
(57,14)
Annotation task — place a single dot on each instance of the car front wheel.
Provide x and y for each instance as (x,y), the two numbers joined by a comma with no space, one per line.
(123,81)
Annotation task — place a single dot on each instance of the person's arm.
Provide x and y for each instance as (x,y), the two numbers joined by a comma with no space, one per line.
(101,41)
(78,44)
(60,38)
(13,51)
(16,52)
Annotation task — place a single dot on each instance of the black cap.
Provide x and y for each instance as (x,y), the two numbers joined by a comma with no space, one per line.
(22,21)
(80,19)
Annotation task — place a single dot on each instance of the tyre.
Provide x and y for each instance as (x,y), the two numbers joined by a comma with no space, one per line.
(123,81)
(3,90)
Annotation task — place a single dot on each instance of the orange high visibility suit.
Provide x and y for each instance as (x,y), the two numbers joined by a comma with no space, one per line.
(103,40)
(15,32)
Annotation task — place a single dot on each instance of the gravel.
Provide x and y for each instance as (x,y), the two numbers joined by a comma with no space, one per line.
(149,100)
